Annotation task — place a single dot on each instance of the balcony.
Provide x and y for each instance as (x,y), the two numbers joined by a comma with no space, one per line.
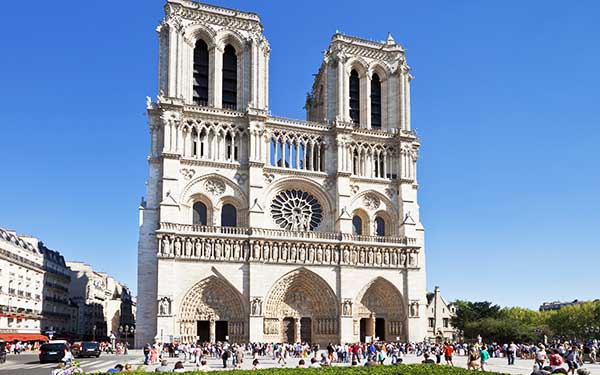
(211,243)
(260,233)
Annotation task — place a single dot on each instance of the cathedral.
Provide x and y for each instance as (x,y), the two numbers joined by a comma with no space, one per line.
(268,229)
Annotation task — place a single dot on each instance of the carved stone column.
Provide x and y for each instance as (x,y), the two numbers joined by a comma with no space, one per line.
(213,330)
(297,331)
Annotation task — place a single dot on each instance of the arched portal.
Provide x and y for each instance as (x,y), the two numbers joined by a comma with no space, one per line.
(213,310)
(380,311)
(303,306)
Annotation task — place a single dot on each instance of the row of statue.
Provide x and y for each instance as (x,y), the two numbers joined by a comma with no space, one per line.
(285,252)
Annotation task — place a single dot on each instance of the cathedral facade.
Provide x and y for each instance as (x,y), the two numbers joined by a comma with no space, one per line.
(268,229)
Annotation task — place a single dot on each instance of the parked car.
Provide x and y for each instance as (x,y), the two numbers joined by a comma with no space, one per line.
(2,351)
(76,348)
(53,351)
(88,349)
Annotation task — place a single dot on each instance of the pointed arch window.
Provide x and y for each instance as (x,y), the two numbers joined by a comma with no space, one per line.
(200,217)
(375,102)
(228,216)
(354,97)
(229,77)
(357,225)
(201,73)
(379,226)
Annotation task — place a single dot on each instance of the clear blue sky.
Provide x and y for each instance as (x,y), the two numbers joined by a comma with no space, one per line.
(505,98)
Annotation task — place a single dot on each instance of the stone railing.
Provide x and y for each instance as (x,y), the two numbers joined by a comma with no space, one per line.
(264,233)
(201,243)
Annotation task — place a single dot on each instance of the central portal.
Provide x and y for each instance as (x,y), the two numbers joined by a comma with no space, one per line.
(306,330)
(380,329)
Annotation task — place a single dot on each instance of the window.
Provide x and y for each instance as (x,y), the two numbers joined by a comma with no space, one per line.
(357,225)
(431,322)
(201,73)
(379,226)
(229,78)
(354,97)
(199,214)
(446,322)
(375,102)
(228,216)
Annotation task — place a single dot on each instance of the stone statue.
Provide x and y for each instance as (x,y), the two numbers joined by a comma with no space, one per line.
(256,251)
(346,256)
(188,247)
(164,306)
(347,308)
(412,260)
(166,248)
(414,309)
(198,251)
(256,306)
(319,255)
(177,247)
(236,250)
(371,255)
(227,251)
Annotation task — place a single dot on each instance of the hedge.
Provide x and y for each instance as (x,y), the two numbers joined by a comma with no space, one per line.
(417,369)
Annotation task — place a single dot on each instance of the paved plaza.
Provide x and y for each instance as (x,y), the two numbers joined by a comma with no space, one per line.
(28,364)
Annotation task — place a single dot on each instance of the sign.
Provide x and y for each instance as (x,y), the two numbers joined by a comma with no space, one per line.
(50,334)
(368,339)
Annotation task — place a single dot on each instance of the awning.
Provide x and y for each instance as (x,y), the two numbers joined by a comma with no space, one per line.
(9,337)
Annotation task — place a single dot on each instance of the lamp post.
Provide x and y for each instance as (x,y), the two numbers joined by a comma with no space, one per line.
(94,333)
(126,330)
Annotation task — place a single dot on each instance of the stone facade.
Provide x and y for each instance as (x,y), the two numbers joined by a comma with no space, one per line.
(104,304)
(439,318)
(21,285)
(264,228)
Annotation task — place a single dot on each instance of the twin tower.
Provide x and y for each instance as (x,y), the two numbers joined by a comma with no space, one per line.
(268,229)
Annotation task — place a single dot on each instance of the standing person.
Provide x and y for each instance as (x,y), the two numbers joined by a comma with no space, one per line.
(541,356)
(573,359)
(511,350)
(484,356)
(448,352)
(146,353)
(225,357)
(556,360)
(438,354)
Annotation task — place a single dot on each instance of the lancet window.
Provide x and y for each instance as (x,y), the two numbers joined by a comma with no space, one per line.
(200,73)
(297,152)
(214,141)
(373,161)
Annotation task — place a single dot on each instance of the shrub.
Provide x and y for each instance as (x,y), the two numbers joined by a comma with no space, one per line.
(338,370)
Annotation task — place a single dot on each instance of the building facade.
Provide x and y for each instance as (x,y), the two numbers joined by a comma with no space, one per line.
(261,228)
(103,304)
(439,318)
(21,286)
(57,309)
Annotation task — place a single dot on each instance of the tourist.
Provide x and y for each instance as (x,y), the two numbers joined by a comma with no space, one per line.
(301,364)
(314,363)
(325,362)
(225,357)
(448,352)
(484,356)
(203,366)
(573,358)
(255,364)
(556,360)
(117,368)
(427,360)
(163,366)
(153,356)
(178,367)
(540,356)
(511,351)
(472,359)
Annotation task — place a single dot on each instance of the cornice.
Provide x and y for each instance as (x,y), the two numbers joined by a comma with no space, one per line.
(211,163)
(379,181)
(209,14)
(294,172)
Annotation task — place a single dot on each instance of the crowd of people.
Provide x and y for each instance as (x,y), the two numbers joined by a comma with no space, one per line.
(559,357)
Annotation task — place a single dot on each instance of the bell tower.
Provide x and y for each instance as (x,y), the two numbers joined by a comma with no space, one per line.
(362,82)
(213,56)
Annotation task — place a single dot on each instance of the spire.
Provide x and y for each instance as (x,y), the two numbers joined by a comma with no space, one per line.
(390,40)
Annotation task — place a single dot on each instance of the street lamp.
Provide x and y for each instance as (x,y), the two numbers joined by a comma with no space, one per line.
(126,330)
(94,333)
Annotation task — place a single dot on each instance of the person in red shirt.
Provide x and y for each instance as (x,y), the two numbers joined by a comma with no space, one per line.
(448,352)
(556,360)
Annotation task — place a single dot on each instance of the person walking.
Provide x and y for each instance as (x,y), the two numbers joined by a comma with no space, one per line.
(448,352)
(484,356)
(540,356)
(511,350)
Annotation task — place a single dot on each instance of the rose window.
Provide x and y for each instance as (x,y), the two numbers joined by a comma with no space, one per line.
(296,210)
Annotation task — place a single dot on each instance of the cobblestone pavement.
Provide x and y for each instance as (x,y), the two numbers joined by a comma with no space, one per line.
(27,364)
